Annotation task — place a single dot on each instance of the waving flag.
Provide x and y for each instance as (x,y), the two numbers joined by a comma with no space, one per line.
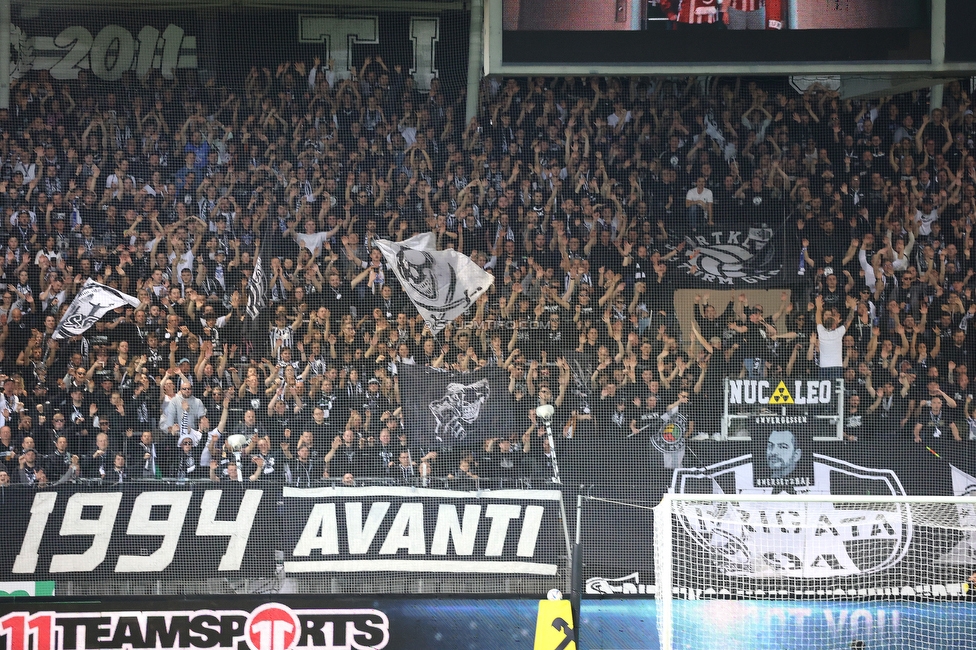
(257,287)
(440,284)
(92,302)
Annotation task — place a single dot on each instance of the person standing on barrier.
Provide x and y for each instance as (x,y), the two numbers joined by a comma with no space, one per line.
(831,336)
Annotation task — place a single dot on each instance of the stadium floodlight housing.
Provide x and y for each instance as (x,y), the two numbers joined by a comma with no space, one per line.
(545,412)
(728,555)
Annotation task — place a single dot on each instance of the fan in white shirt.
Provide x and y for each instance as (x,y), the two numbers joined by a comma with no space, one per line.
(699,202)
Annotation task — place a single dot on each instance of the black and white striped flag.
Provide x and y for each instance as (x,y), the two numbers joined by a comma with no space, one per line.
(257,287)
(90,304)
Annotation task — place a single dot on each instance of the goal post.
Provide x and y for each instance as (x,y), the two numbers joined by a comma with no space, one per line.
(725,561)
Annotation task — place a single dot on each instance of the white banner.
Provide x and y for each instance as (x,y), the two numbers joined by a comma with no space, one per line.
(408,530)
(92,302)
(760,539)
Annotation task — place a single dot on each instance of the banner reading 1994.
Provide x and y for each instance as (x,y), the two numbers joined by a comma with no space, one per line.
(195,532)
(179,532)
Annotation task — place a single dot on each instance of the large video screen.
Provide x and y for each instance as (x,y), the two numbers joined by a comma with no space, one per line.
(704,31)
(742,15)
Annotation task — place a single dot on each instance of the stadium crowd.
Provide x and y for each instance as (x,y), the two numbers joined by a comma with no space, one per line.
(587,199)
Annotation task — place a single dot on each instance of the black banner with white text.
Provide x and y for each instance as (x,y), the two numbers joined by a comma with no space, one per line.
(106,45)
(184,532)
(195,532)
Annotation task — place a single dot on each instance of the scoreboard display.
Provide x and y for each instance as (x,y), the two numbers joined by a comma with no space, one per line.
(549,37)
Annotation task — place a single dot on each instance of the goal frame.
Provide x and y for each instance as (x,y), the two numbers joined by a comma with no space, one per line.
(664,540)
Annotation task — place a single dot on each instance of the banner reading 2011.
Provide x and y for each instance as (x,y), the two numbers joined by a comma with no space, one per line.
(107,53)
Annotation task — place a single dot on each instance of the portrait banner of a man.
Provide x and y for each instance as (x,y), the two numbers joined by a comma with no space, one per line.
(784,454)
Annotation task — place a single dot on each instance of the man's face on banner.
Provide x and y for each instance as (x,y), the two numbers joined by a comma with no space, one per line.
(781,453)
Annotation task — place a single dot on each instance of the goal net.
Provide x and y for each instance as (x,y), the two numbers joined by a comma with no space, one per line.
(823,571)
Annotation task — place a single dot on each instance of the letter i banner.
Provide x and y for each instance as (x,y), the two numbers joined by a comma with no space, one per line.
(554,626)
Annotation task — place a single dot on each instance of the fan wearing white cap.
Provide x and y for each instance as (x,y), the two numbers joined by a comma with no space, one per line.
(185,463)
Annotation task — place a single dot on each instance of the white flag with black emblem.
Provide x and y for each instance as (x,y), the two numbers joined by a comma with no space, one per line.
(90,304)
(440,284)
(257,287)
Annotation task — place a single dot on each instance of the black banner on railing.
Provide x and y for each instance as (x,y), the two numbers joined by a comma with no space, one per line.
(185,532)
(402,529)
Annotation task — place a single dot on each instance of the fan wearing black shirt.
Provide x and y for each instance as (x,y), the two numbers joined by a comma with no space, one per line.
(834,294)
(674,157)
(500,460)
(302,470)
(347,455)
(603,252)
(337,296)
(756,331)
(551,336)
(934,426)
(755,203)
(658,291)
(724,201)
(889,410)
(98,463)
